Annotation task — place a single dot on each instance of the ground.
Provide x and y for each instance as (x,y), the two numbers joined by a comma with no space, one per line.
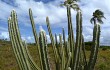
(8,61)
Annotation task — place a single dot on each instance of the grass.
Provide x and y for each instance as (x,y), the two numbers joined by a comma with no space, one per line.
(8,61)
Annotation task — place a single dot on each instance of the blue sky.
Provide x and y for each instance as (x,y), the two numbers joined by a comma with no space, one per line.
(57,15)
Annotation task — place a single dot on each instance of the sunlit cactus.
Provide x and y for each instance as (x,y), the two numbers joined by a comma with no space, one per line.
(97,20)
(68,55)
(78,39)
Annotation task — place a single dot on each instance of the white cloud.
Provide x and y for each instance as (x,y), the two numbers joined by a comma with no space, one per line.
(57,14)
(4,35)
(48,39)
(41,29)
(29,39)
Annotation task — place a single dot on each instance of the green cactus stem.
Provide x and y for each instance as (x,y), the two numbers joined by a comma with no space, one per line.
(56,56)
(70,32)
(24,64)
(94,49)
(43,49)
(35,36)
(30,59)
(62,53)
(78,38)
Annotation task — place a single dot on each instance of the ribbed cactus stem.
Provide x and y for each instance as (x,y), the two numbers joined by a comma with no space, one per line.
(78,38)
(56,41)
(94,49)
(56,56)
(80,60)
(62,53)
(19,42)
(35,36)
(14,44)
(57,46)
(31,61)
(70,32)
(84,54)
(43,49)
(68,61)
(64,42)
(17,39)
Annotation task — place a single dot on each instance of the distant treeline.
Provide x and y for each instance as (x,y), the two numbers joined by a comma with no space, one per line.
(88,45)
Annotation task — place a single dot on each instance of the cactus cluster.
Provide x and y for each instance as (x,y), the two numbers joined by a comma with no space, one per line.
(69,55)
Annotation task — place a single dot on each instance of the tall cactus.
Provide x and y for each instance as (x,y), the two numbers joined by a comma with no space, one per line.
(35,36)
(43,49)
(78,38)
(71,4)
(94,49)
(97,19)
(30,59)
(57,46)
(64,42)
(83,54)
(62,53)
(57,58)
(67,56)
(17,43)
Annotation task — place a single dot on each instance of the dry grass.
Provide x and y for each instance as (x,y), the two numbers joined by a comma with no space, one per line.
(8,61)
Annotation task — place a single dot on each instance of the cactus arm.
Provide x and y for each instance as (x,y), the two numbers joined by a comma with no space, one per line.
(68,61)
(35,36)
(84,53)
(70,32)
(64,41)
(19,42)
(42,41)
(14,44)
(19,47)
(78,38)
(94,49)
(58,47)
(62,53)
(56,56)
(31,61)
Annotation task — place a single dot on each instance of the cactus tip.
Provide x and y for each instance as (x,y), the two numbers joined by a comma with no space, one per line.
(13,9)
(9,18)
(29,8)
(69,53)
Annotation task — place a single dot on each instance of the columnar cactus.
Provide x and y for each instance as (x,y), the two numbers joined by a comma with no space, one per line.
(84,61)
(62,53)
(17,44)
(35,36)
(94,49)
(97,19)
(78,38)
(43,49)
(57,57)
(69,55)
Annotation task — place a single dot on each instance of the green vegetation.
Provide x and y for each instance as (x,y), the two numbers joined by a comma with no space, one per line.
(8,61)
